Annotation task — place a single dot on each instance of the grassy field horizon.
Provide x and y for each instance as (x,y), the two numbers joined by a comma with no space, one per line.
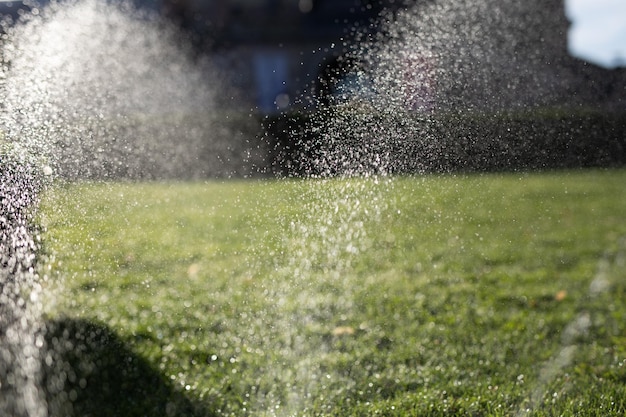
(477,294)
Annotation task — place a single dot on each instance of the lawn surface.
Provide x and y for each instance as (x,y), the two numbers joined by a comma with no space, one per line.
(412,296)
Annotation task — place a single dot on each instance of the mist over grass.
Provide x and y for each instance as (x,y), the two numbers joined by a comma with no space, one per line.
(479,294)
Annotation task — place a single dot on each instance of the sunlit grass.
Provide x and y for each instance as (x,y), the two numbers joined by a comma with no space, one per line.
(435,295)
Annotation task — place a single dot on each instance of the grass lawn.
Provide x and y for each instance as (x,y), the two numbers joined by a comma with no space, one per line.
(494,295)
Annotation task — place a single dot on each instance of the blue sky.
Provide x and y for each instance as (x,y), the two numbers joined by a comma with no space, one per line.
(598,31)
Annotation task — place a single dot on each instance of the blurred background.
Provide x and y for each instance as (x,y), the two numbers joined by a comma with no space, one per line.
(278,52)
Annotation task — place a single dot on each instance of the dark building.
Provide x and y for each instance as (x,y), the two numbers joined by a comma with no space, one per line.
(275,50)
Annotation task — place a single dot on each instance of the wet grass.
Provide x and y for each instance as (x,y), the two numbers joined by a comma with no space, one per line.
(416,296)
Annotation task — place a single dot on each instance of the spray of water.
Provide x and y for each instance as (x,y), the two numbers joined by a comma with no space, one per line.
(99,91)
(105,91)
(469,56)
(440,64)
(92,90)
(21,332)
(431,61)
(313,288)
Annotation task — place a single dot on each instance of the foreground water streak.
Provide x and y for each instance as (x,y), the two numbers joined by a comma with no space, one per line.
(21,329)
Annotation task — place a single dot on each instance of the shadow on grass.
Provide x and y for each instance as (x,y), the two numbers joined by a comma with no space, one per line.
(90,371)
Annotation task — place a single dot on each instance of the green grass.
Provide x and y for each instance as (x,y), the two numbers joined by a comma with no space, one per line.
(416,296)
